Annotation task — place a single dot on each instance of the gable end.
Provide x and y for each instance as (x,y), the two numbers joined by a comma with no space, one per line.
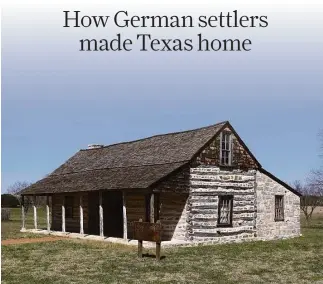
(210,154)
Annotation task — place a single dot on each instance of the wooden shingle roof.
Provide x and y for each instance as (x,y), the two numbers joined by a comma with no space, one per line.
(129,165)
(139,177)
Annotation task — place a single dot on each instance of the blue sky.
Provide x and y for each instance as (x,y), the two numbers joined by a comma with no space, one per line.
(39,135)
(57,100)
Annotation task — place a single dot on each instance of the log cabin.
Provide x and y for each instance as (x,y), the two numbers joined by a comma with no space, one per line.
(203,185)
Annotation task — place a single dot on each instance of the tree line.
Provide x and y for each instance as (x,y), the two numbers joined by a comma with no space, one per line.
(312,188)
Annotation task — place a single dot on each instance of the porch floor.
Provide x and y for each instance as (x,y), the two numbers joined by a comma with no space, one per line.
(171,243)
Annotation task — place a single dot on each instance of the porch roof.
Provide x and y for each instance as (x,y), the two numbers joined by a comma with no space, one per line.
(139,177)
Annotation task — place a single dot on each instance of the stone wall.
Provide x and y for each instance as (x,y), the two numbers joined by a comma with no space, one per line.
(267,228)
(174,193)
(207,183)
(179,181)
(211,154)
(173,215)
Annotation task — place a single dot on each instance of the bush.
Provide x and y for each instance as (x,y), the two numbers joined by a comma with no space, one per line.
(9,201)
(5,214)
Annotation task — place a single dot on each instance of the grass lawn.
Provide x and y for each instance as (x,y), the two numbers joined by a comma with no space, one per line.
(298,260)
(10,229)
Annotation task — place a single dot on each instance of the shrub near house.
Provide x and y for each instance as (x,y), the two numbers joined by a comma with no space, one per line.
(9,201)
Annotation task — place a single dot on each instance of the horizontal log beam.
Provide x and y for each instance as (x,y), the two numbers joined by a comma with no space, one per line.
(221,192)
(222,234)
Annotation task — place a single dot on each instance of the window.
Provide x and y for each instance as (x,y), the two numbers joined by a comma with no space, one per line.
(69,200)
(225,210)
(279,208)
(225,153)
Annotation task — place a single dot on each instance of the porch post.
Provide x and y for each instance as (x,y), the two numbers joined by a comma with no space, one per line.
(81,215)
(101,213)
(157,207)
(152,208)
(23,213)
(47,212)
(63,215)
(125,227)
(35,212)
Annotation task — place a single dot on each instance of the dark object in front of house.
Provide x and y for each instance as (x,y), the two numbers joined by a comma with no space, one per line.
(146,231)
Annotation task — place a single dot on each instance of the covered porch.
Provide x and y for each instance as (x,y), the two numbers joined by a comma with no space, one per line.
(109,214)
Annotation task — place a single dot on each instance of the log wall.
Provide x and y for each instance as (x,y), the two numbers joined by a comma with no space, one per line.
(72,224)
(136,209)
(207,184)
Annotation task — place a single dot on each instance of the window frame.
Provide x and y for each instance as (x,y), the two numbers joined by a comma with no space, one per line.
(279,199)
(69,206)
(220,199)
(226,139)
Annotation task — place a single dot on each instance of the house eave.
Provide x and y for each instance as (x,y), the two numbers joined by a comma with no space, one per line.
(284,184)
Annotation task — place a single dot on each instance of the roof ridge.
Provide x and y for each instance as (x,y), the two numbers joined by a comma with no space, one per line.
(157,135)
(110,168)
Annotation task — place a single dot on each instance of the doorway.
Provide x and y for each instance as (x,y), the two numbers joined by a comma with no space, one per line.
(112,214)
(94,218)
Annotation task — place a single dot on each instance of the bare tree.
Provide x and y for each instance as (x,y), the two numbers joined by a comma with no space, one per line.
(316,181)
(312,191)
(16,188)
(316,177)
(309,200)
(319,173)
(321,141)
